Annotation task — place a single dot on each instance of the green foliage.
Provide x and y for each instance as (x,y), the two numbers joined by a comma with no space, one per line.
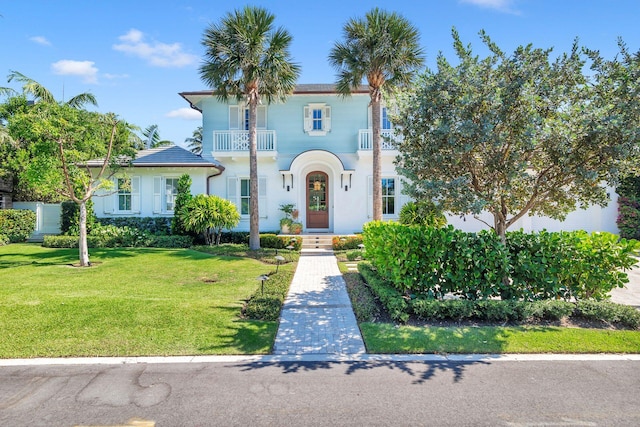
(394,302)
(280,242)
(70,217)
(519,133)
(152,225)
(355,255)
(422,212)
(4,240)
(432,262)
(183,197)
(209,215)
(609,312)
(629,217)
(113,237)
(16,224)
(266,303)
(341,243)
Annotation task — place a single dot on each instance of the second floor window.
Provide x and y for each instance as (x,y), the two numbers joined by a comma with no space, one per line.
(317,119)
(239,117)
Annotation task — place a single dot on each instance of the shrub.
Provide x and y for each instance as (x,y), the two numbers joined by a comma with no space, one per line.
(183,197)
(423,212)
(393,301)
(153,225)
(236,237)
(279,242)
(341,243)
(111,237)
(175,241)
(17,224)
(209,215)
(70,217)
(355,255)
(629,217)
(609,312)
(4,239)
(267,305)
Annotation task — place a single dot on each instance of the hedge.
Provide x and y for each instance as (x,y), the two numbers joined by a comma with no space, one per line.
(104,241)
(433,262)
(341,243)
(17,224)
(153,225)
(400,307)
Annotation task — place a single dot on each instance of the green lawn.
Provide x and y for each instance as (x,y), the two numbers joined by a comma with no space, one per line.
(388,338)
(132,302)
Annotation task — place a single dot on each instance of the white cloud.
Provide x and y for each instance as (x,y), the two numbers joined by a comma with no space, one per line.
(84,69)
(110,76)
(185,113)
(505,6)
(40,40)
(155,53)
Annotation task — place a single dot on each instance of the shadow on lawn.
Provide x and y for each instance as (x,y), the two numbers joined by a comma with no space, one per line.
(48,256)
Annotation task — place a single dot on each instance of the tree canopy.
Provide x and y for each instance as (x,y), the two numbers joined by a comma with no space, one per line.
(520,133)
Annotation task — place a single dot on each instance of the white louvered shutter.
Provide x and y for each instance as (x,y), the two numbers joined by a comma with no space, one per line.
(157,194)
(307,119)
(326,120)
(234,117)
(135,194)
(262,197)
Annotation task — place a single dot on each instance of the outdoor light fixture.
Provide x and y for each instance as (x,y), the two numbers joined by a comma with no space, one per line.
(262,278)
(317,185)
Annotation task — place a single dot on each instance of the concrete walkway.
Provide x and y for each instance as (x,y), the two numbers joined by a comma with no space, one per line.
(317,317)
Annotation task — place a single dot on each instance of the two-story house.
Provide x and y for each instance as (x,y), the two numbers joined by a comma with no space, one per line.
(314,151)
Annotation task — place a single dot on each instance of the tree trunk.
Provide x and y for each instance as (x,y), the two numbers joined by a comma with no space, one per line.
(254,214)
(377,158)
(82,243)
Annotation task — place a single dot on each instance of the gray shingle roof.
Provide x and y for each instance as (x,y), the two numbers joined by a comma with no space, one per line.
(169,156)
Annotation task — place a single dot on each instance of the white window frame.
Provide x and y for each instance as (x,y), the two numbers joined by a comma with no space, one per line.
(386,197)
(112,204)
(160,196)
(239,119)
(399,199)
(309,119)
(384,110)
(234,195)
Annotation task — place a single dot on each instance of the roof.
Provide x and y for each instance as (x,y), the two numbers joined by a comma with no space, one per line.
(301,89)
(169,156)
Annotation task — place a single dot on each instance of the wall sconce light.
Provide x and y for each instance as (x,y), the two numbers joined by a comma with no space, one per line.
(288,188)
(346,188)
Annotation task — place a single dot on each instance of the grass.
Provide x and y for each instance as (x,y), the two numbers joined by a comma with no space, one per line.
(132,302)
(391,338)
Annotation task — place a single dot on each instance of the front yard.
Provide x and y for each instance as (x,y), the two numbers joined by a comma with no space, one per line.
(131,302)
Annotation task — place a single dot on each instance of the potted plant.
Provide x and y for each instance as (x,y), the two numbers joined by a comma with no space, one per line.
(287,221)
(296,228)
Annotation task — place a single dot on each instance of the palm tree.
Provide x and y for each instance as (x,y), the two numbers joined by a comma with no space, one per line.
(152,138)
(42,94)
(195,141)
(248,59)
(384,48)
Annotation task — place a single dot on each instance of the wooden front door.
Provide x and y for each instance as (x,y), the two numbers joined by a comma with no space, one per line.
(317,200)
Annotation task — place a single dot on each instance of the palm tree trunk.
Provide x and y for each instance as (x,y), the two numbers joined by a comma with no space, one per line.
(377,158)
(254,214)
(82,243)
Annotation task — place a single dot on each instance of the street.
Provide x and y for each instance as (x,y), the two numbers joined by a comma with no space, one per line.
(481,392)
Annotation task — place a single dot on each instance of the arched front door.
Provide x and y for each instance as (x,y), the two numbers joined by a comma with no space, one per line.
(317,200)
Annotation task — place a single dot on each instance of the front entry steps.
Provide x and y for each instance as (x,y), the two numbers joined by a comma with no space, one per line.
(317,242)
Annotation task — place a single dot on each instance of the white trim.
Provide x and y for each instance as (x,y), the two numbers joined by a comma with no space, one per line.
(325,118)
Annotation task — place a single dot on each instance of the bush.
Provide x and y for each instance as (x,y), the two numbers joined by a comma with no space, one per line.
(160,226)
(17,224)
(393,301)
(341,243)
(608,312)
(274,241)
(266,306)
(355,255)
(629,217)
(175,241)
(70,217)
(112,237)
(4,239)
(422,212)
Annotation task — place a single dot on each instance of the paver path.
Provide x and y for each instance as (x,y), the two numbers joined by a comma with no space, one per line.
(317,317)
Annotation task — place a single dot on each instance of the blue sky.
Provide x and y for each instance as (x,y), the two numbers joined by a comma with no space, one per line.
(136,56)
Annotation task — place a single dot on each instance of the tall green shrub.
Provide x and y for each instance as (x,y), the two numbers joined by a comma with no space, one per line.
(209,215)
(70,218)
(422,212)
(17,224)
(183,197)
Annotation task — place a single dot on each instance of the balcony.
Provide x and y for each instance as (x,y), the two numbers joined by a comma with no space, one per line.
(388,142)
(235,143)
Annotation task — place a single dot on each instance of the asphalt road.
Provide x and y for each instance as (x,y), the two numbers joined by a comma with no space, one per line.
(367,393)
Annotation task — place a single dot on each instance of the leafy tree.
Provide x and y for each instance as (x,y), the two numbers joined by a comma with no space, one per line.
(64,140)
(246,58)
(195,141)
(16,154)
(183,197)
(209,215)
(384,48)
(516,134)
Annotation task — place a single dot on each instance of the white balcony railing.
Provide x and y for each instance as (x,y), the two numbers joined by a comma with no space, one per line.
(238,140)
(365,139)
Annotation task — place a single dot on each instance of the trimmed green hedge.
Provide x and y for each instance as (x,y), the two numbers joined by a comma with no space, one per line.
(105,241)
(17,224)
(341,243)
(432,262)
(280,242)
(400,307)
(152,225)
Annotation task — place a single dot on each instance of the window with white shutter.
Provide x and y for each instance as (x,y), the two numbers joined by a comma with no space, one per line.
(317,119)
(239,117)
